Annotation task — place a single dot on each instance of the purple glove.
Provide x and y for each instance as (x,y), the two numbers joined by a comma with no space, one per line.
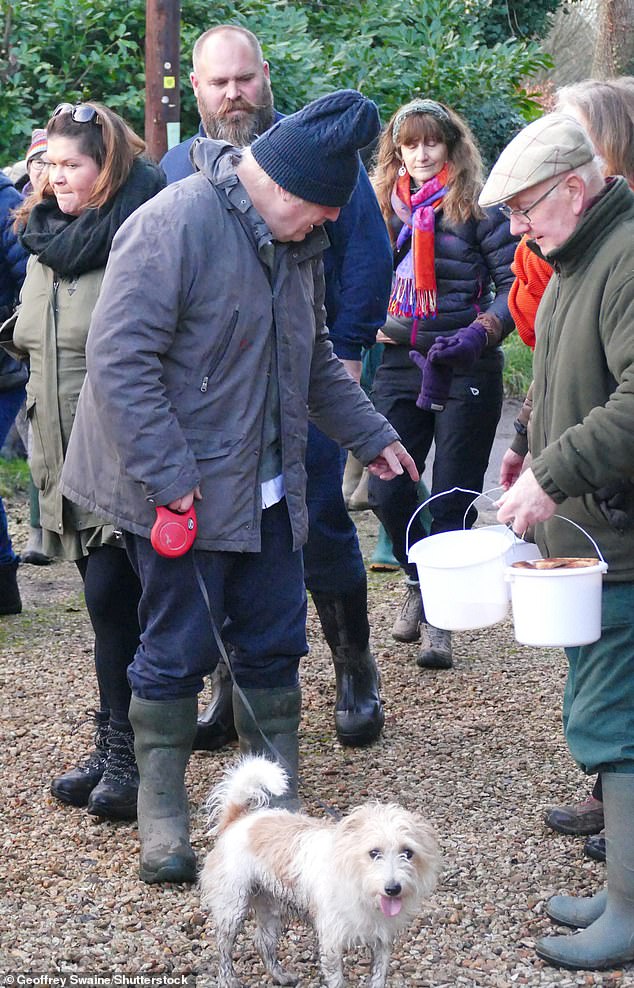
(461,349)
(435,385)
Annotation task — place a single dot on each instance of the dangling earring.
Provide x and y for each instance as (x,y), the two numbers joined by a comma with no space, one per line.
(402,171)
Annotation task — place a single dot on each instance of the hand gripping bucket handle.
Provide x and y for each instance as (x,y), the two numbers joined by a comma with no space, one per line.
(452,490)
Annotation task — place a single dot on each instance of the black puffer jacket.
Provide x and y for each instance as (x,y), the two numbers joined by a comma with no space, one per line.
(473,275)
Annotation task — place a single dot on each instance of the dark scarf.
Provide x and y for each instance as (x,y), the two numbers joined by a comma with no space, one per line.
(73,245)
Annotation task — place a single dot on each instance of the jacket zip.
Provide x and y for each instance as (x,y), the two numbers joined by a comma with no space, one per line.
(224,343)
(546,355)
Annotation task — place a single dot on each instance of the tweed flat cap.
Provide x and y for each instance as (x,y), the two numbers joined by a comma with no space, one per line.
(314,153)
(548,147)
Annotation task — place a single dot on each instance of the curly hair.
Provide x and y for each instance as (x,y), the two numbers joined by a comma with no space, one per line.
(465,164)
(107,139)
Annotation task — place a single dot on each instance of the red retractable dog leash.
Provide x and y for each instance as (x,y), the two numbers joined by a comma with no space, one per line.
(173,533)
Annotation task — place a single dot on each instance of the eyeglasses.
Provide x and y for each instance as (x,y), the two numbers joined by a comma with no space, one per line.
(80,112)
(509,213)
(38,165)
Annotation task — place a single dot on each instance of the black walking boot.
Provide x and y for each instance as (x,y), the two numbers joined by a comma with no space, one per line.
(115,795)
(75,787)
(215,727)
(10,601)
(359,715)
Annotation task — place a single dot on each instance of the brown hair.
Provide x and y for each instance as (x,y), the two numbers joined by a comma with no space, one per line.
(465,164)
(607,108)
(107,139)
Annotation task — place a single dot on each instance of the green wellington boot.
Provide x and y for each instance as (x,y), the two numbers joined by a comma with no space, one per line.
(609,941)
(163,735)
(277,714)
(576,911)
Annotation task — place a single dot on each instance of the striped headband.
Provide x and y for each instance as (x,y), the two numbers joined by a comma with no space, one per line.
(432,109)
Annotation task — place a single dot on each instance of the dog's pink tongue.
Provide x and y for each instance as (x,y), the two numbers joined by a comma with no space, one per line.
(390,906)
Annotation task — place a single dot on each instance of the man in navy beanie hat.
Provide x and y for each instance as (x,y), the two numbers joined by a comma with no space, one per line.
(211,327)
(314,152)
(230,78)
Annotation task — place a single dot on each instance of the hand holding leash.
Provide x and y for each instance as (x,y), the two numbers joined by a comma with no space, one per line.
(174,531)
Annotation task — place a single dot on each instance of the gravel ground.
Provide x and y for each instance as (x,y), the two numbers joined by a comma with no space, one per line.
(477,749)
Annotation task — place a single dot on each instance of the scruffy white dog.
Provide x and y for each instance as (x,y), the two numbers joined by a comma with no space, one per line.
(359,881)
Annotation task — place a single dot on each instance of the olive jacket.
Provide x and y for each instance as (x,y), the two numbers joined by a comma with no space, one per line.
(582,434)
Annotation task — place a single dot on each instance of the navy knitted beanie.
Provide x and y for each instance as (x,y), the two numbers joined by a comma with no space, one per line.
(314,153)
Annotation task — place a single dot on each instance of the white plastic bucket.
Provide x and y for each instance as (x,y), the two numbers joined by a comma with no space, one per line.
(517,549)
(461,574)
(560,607)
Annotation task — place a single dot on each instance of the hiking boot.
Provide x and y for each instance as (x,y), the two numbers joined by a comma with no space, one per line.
(594,847)
(75,786)
(435,651)
(578,818)
(115,795)
(407,625)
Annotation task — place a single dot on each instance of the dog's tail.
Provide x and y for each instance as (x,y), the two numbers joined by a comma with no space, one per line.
(247,785)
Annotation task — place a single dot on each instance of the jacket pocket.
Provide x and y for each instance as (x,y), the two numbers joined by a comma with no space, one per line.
(209,444)
(219,352)
(37,461)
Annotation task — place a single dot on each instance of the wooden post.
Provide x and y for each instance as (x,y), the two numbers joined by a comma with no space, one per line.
(162,92)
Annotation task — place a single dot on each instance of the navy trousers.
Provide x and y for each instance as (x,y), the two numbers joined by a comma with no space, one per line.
(463,435)
(258,602)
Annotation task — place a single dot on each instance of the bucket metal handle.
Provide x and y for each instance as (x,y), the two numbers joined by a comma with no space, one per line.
(498,487)
(583,531)
(452,490)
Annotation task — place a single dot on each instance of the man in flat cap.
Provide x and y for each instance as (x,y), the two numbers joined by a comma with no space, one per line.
(582,468)
(207,355)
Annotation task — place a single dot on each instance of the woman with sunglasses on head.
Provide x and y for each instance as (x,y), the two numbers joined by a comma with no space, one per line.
(96,177)
(447,315)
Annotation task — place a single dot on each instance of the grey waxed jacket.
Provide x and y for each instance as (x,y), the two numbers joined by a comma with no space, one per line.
(178,355)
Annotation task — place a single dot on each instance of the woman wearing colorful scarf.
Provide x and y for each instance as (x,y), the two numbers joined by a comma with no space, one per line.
(440,379)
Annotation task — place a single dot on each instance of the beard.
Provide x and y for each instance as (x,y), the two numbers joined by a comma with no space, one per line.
(239,130)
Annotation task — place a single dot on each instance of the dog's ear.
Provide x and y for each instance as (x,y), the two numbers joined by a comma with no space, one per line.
(421,836)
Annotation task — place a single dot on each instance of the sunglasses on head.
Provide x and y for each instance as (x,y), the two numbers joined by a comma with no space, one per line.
(80,112)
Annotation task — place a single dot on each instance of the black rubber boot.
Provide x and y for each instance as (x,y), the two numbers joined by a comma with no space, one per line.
(163,735)
(277,714)
(75,787)
(10,601)
(115,795)
(359,715)
(215,727)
